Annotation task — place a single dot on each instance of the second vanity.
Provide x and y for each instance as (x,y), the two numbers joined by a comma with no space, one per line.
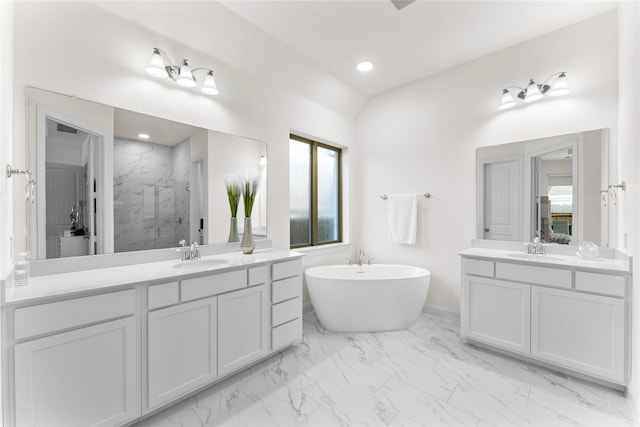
(555,310)
(108,346)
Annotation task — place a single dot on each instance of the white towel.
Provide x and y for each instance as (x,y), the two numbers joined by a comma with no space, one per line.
(403,218)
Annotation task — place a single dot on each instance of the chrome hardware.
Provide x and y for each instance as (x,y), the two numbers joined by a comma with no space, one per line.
(188,252)
(535,248)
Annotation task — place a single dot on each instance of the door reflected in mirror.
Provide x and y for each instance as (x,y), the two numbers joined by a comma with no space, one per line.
(550,188)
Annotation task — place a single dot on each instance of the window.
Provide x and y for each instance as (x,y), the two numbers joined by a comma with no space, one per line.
(315,212)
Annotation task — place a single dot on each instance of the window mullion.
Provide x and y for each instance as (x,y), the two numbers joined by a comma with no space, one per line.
(314,194)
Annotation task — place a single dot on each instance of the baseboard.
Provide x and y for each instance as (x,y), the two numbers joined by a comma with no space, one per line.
(434,310)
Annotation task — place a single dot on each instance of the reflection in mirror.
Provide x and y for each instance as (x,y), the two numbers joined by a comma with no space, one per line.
(548,188)
(552,184)
(152,182)
(107,189)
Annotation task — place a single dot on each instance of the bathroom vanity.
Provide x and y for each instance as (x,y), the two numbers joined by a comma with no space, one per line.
(556,310)
(108,346)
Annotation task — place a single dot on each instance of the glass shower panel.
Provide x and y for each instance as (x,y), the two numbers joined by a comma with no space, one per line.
(165,232)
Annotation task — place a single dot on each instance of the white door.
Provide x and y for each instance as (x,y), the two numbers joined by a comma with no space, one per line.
(86,377)
(243,327)
(182,349)
(497,312)
(583,332)
(501,201)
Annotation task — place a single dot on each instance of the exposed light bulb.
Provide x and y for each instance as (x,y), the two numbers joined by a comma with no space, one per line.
(143,136)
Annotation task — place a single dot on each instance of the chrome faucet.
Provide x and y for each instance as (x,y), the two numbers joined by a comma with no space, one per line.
(194,252)
(361,254)
(536,247)
(188,253)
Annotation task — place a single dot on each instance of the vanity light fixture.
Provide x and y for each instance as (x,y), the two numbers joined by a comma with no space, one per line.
(554,85)
(182,74)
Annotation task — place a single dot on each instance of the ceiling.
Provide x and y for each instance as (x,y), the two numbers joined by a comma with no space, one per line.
(129,124)
(421,39)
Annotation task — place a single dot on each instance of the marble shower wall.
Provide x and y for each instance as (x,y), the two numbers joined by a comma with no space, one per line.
(151,201)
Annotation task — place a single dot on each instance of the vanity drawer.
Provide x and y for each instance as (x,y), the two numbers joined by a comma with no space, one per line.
(55,316)
(287,333)
(477,267)
(534,274)
(282,270)
(600,283)
(286,311)
(258,275)
(201,287)
(163,295)
(283,290)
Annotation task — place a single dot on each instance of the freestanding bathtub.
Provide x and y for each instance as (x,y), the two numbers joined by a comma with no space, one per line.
(368,298)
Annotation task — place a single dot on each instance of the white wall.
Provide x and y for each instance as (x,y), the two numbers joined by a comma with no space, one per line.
(422,137)
(629,141)
(78,48)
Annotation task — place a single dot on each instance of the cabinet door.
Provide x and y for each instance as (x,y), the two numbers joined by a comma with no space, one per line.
(580,331)
(86,377)
(497,312)
(182,349)
(243,327)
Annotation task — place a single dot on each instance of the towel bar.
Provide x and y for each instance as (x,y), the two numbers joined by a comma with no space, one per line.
(426,196)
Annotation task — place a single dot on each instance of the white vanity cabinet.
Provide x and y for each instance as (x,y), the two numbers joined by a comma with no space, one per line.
(286,299)
(243,327)
(76,362)
(125,348)
(565,316)
(498,313)
(579,331)
(182,349)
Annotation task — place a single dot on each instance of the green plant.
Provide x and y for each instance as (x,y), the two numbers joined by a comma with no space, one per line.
(234,192)
(249,191)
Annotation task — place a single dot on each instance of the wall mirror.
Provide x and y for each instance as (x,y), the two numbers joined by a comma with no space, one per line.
(112,180)
(552,188)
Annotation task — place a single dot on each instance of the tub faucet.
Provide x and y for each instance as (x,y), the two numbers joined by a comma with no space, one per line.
(361,254)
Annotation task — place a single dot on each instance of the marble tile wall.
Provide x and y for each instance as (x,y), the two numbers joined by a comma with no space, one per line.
(149,222)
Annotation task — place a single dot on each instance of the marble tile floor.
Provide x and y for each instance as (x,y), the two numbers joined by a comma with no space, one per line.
(423,376)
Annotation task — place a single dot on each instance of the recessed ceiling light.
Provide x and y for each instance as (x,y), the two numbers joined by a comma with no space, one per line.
(365,66)
(143,136)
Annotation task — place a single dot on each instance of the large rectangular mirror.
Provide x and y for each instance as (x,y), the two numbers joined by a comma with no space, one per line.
(553,188)
(112,180)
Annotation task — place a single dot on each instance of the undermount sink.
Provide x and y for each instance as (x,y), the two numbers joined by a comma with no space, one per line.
(197,264)
(534,257)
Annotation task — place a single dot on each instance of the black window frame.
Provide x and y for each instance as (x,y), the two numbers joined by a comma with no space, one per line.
(313,191)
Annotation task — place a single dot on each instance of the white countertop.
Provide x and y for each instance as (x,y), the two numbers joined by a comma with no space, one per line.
(551,259)
(100,279)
